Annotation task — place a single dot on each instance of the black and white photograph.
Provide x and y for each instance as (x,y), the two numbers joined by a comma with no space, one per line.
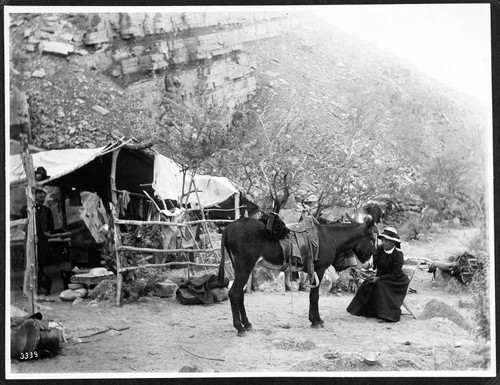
(249,191)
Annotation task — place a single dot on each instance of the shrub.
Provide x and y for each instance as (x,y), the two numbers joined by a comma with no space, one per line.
(480,285)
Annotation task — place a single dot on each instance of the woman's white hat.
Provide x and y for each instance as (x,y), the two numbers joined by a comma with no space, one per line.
(391,234)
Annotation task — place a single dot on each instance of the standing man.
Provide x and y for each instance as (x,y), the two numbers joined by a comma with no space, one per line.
(44,227)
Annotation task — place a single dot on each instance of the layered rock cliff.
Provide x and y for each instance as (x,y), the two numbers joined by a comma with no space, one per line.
(143,54)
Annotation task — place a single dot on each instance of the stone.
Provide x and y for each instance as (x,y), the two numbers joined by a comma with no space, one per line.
(435,308)
(104,290)
(55,47)
(166,288)
(67,36)
(221,294)
(74,286)
(39,73)
(16,312)
(190,369)
(101,110)
(268,280)
(68,295)
(81,293)
(329,279)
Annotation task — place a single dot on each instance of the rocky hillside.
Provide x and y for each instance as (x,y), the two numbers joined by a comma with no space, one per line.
(84,76)
(88,78)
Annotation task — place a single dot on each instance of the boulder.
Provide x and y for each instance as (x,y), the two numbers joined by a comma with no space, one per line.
(166,288)
(328,280)
(221,294)
(268,280)
(55,47)
(68,295)
(105,290)
(39,73)
(16,312)
(342,283)
(81,293)
(436,308)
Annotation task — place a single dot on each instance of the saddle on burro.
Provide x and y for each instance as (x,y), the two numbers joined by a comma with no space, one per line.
(299,242)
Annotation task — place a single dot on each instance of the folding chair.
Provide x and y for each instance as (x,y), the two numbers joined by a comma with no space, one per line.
(409,270)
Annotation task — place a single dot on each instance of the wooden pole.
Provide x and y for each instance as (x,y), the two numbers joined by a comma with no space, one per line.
(63,211)
(112,178)
(204,220)
(237,205)
(30,286)
(163,251)
(118,245)
(164,223)
(117,238)
(128,268)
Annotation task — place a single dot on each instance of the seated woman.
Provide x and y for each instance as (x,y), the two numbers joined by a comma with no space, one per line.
(382,295)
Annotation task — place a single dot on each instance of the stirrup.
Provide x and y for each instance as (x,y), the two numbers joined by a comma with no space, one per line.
(312,285)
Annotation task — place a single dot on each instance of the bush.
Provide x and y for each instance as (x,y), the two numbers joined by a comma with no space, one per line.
(480,285)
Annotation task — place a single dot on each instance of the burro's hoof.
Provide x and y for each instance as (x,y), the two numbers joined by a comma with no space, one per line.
(242,333)
(316,326)
(248,328)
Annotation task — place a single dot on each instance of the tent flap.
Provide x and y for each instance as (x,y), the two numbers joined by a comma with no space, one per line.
(167,184)
(57,162)
(167,176)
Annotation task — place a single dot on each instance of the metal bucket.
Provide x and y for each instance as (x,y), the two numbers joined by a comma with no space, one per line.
(24,339)
(50,342)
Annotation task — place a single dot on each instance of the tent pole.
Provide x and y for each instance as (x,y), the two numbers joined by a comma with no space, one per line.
(237,205)
(30,286)
(205,227)
(117,238)
(112,177)
(118,244)
(63,211)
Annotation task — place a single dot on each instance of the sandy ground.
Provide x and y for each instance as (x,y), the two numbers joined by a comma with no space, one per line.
(161,336)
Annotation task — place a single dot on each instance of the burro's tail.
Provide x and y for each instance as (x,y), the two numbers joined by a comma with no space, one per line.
(222,258)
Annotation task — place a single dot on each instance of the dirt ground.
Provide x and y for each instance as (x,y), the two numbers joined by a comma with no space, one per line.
(161,336)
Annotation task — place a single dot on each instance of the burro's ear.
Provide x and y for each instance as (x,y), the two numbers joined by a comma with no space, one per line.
(369,222)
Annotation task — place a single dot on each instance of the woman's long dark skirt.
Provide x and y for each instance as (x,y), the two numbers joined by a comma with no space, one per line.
(380,299)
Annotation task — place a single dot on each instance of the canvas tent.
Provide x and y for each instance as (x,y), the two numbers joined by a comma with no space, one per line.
(136,171)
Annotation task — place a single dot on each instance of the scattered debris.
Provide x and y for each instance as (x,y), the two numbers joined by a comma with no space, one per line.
(196,355)
(106,329)
(293,344)
(403,363)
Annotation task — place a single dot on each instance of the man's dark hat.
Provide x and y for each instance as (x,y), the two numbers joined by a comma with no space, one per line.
(40,170)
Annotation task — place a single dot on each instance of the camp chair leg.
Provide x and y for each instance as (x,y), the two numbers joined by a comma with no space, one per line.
(409,309)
